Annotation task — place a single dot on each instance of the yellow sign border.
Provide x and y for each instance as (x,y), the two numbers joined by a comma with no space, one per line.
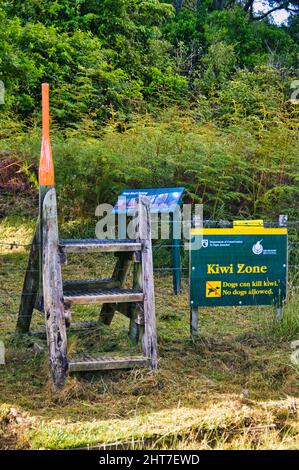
(239,230)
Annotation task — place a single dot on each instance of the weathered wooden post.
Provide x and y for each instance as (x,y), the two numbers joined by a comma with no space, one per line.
(149,337)
(282,222)
(176,250)
(193,310)
(50,285)
(53,291)
(45,174)
(30,286)
(2,354)
(194,322)
(136,312)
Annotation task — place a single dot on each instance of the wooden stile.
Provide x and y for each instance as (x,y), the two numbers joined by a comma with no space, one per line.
(44,289)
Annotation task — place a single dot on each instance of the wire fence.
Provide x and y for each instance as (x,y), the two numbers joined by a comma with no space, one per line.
(162,250)
(14,258)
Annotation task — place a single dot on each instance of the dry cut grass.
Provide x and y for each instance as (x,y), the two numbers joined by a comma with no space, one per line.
(233,388)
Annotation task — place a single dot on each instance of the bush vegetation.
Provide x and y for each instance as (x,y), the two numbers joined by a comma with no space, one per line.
(152,93)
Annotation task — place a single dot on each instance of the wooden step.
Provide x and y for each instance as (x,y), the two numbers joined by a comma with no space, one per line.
(89,284)
(89,362)
(95,245)
(102,296)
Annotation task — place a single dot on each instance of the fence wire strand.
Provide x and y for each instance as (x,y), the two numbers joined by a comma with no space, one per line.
(162,265)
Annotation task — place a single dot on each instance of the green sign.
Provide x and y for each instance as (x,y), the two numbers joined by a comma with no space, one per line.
(243,265)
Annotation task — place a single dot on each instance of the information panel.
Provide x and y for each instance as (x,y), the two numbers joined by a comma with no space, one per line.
(163,200)
(243,265)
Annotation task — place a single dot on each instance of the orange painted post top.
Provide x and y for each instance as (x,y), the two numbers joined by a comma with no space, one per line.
(46,167)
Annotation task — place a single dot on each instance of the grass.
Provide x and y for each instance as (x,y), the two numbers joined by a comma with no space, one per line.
(288,326)
(233,388)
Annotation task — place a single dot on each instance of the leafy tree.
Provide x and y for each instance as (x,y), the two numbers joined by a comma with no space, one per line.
(293,27)
(257,95)
(115,57)
(273,6)
(249,6)
(149,92)
(217,66)
(254,42)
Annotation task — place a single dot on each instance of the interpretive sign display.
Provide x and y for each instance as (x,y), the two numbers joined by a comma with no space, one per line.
(242,265)
(163,200)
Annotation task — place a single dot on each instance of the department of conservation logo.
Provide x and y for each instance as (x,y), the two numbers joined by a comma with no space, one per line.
(205,243)
(258,248)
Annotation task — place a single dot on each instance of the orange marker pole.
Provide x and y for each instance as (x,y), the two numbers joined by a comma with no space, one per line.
(45,176)
(46,167)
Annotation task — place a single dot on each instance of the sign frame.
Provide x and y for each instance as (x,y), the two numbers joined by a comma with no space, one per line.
(175,196)
(248,255)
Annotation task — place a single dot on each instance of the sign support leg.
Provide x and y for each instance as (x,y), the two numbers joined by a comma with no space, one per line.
(176,265)
(176,254)
(279,313)
(194,321)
